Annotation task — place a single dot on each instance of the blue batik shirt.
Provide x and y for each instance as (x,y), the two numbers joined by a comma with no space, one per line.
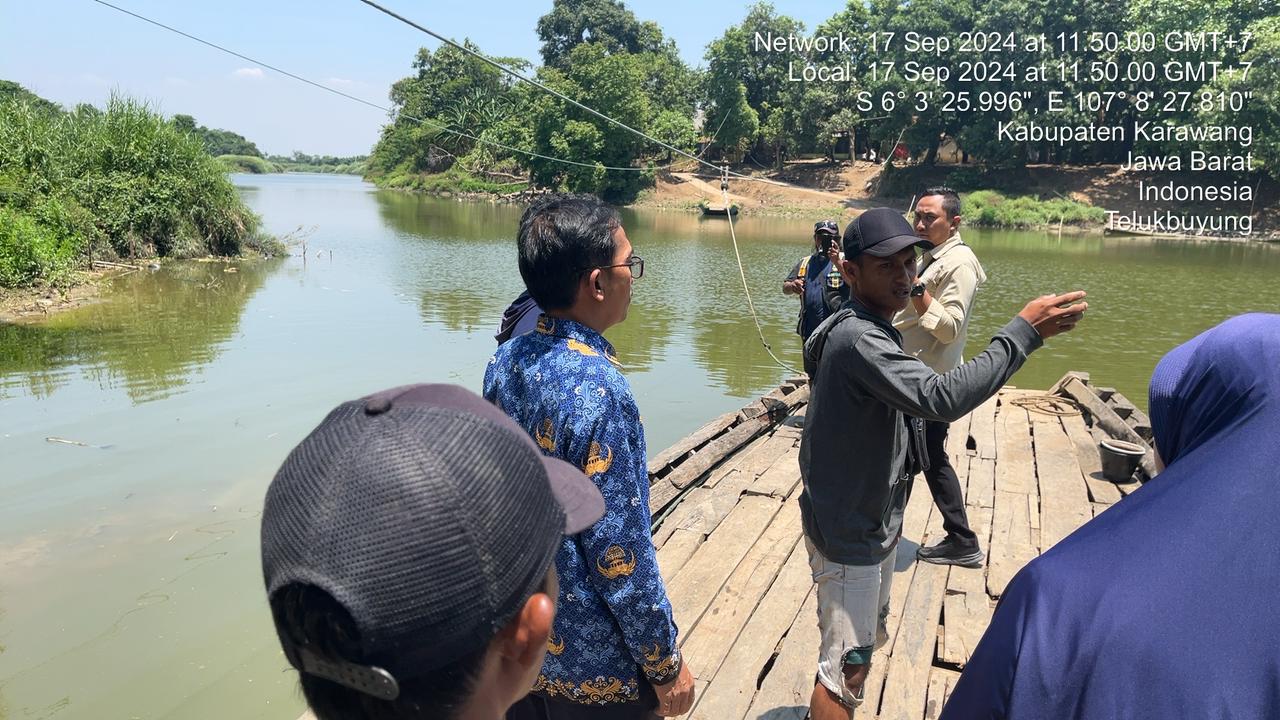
(564,385)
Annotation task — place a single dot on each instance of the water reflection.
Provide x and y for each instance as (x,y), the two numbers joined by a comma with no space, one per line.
(149,335)
(459,260)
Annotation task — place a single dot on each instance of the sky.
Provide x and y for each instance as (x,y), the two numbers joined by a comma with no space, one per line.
(73,51)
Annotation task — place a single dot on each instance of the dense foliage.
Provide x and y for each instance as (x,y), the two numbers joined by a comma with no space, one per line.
(302,162)
(117,182)
(216,142)
(747,105)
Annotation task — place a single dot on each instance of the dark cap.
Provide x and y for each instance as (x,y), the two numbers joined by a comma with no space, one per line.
(826,227)
(880,232)
(430,516)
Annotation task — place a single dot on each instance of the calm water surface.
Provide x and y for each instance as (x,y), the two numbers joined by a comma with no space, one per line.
(129,577)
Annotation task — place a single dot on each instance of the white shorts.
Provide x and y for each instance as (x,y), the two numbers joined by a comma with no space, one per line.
(853,603)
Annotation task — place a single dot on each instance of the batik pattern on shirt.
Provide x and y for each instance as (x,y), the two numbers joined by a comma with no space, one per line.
(564,385)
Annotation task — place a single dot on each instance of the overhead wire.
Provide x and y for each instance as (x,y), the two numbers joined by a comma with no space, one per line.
(362,101)
(723,170)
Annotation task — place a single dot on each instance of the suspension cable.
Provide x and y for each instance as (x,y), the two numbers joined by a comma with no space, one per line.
(728,213)
(362,101)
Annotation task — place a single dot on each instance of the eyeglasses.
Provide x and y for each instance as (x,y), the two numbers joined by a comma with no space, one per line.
(635,263)
(926,218)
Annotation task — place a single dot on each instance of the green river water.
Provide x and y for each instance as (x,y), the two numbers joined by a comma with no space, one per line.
(129,576)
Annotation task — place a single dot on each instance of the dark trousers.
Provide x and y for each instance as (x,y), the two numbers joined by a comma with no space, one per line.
(533,707)
(945,486)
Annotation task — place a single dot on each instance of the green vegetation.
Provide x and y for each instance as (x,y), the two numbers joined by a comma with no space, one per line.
(247,164)
(750,109)
(216,142)
(990,208)
(302,162)
(626,70)
(121,182)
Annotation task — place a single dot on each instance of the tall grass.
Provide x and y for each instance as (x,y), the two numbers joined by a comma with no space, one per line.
(992,209)
(120,182)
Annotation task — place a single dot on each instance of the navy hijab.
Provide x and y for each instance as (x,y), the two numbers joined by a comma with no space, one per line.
(1168,604)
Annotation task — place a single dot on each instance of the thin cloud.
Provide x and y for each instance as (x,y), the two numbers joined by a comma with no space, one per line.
(341,82)
(250,73)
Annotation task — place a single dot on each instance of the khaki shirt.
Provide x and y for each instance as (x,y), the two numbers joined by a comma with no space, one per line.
(951,273)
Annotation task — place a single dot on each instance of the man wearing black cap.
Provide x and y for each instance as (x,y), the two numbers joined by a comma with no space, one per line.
(817,282)
(408,547)
(615,651)
(864,439)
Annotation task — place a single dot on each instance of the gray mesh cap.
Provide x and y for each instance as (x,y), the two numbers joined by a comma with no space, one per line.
(429,515)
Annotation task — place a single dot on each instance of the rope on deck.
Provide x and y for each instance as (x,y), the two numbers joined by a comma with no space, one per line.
(1046,404)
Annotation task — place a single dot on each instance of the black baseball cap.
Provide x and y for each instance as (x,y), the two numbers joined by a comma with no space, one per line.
(430,516)
(826,227)
(880,232)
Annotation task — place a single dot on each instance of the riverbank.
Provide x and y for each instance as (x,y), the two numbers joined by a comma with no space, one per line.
(27,305)
(117,183)
(1054,198)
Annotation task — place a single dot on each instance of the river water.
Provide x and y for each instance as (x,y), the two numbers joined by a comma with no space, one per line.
(129,575)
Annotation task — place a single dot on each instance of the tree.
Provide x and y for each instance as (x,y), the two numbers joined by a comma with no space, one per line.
(614,85)
(734,60)
(606,23)
(450,89)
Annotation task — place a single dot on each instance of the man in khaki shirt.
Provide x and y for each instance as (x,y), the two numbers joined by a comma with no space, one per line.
(934,327)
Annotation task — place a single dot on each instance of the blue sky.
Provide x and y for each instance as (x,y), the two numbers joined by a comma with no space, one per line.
(73,51)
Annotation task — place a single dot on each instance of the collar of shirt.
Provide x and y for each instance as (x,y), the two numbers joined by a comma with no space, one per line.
(574,331)
(861,311)
(938,251)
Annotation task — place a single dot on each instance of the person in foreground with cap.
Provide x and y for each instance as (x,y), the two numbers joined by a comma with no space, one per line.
(816,280)
(863,439)
(614,652)
(408,548)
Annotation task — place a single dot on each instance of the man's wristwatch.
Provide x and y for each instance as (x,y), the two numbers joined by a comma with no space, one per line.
(917,290)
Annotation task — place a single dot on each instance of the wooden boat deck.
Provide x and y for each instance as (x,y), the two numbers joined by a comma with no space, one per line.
(737,571)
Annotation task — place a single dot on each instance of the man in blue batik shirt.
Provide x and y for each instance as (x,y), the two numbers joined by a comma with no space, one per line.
(614,650)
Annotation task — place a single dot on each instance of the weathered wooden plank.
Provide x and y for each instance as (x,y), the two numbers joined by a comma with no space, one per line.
(1064,497)
(958,438)
(711,454)
(982,429)
(1100,489)
(781,477)
(906,681)
(967,612)
(732,463)
(914,521)
(941,681)
(702,509)
(1015,470)
(690,442)
(1011,543)
(933,699)
(967,608)
(695,585)
(734,688)
(710,639)
(758,457)
(784,693)
(981,489)
(661,493)
(1106,419)
(673,554)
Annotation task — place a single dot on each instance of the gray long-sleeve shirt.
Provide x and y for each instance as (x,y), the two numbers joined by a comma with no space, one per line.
(853,452)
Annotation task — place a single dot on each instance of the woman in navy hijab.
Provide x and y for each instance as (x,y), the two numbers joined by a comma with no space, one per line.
(1168,604)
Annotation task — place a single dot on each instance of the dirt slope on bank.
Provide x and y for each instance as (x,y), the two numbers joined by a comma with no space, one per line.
(813,185)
